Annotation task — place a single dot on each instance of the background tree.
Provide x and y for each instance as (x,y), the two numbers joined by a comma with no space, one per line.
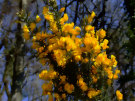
(127,79)
(15,53)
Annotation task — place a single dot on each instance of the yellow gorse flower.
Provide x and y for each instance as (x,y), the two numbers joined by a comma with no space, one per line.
(26,36)
(104,44)
(62,10)
(49,17)
(101,33)
(45,10)
(69,88)
(82,84)
(25,29)
(38,19)
(119,95)
(90,17)
(47,88)
(64,19)
(69,51)
(92,92)
(47,75)
(32,26)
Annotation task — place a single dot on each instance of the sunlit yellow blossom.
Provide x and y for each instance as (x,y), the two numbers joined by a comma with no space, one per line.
(47,87)
(93,14)
(89,28)
(90,17)
(117,72)
(70,44)
(82,84)
(38,19)
(67,28)
(109,72)
(96,49)
(42,73)
(78,41)
(52,41)
(43,35)
(94,70)
(75,57)
(94,79)
(109,82)
(86,60)
(38,36)
(42,55)
(119,95)
(64,96)
(49,17)
(26,36)
(34,38)
(53,27)
(74,32)
(104,44)
(32,26)
(77,28)
(35,45)
(47,75)
(62,10)
(102,59)
(25,29)
(87,35)
(60,57)
(78,57)
(65,17)
(90,42)
(115,76)
(45,10)
(63,78)
(113,61)
(62,21)
(69,88)
(93,93)
(101,33)
(40,49)
(50,47)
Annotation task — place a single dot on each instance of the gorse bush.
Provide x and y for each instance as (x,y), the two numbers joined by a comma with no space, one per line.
(79,67)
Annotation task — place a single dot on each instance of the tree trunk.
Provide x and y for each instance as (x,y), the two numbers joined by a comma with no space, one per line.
(18,67)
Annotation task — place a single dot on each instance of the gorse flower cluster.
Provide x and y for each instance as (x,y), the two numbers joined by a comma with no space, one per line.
(79,67)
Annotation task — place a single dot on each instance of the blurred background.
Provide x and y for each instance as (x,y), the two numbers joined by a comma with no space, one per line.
(19,67)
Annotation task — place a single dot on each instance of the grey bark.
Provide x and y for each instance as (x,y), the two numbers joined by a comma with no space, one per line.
(18,67)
